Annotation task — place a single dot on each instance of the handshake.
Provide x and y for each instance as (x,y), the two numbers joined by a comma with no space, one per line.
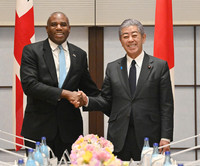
(78,99)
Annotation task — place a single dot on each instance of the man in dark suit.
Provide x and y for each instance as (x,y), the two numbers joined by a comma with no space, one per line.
(137,96)
(49,112)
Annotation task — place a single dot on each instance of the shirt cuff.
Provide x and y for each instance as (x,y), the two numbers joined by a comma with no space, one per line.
(86,105)
(165,139)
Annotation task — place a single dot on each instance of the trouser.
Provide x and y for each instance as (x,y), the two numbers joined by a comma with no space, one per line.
(130,148)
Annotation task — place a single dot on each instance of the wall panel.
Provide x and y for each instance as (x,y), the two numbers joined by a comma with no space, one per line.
(184,124)
(79,12)
(6,53)
(198,118)
(6,116)
(112,12)
(103,12)
(184,55)
(198,53)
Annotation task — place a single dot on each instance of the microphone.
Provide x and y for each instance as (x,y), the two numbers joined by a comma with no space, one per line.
(15,143)
(12,153)
(23,139)
(52,160)
(17,136)
(182,140)
(186,150)
(15,154)
(172,143)
(161,159)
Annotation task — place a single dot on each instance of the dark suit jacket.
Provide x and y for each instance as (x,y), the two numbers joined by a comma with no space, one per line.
(45,114)
(152,103)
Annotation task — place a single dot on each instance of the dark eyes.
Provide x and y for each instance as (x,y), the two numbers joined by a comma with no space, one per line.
(125,37)
(133,36)
(62,24)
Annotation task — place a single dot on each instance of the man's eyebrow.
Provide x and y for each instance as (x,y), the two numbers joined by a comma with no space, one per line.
(125,33)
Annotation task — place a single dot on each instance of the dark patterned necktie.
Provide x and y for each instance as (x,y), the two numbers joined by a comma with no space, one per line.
(132,78)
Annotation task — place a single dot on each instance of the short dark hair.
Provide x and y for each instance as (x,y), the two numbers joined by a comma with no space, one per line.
(58,13)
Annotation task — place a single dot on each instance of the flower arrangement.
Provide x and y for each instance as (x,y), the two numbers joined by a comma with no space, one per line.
(93,151)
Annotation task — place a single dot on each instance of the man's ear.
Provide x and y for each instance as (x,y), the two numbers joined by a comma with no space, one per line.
(144,38)
(69,29)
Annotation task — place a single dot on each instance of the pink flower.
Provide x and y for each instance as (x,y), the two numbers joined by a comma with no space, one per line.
(93,151)
(103,156)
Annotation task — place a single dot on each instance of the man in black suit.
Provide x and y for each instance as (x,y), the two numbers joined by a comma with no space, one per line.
(49,112)
(138,108)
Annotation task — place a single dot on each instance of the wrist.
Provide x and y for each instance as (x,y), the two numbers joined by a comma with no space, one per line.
(87,102)
(65,94)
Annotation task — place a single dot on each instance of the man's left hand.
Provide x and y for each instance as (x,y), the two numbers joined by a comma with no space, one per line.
(162,143)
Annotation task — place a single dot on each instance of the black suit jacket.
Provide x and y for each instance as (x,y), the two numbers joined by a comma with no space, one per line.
(152,103)
(45,113)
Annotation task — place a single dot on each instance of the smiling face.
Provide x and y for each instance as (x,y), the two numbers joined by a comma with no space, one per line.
(132,41)
(58,28)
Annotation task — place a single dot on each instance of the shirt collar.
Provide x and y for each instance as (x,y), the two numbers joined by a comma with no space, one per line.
(138,59)
(54,46)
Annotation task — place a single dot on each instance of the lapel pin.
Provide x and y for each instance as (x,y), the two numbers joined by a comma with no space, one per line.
(74,55)
(149,67)
(121,67)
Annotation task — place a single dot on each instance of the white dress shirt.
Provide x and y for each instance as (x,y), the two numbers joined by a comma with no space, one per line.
(138,64)
(55,51)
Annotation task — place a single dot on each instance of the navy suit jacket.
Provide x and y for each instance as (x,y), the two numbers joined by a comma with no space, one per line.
(152,103)
(45,114)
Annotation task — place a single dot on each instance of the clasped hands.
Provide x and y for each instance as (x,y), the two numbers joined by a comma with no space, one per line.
(78,99)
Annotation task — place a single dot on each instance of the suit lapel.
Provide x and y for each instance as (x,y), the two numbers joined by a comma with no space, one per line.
(144,73)
(48,57)
(123,75)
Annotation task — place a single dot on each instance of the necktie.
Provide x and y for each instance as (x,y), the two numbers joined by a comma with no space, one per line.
(132,78)
(62,66)
(132,84)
